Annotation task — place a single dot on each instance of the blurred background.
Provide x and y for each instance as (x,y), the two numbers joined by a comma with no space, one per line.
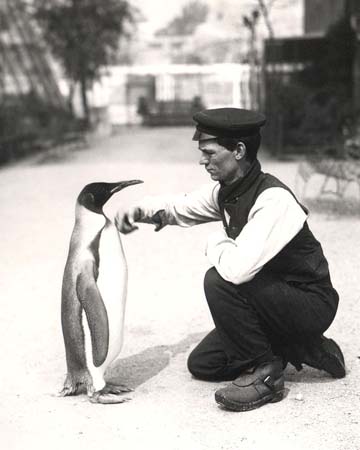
(102,90)
(74,67)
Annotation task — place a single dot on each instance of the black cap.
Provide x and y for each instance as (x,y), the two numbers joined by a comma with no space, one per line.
(227,122)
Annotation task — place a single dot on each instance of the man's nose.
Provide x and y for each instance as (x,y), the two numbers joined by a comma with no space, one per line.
(203,160)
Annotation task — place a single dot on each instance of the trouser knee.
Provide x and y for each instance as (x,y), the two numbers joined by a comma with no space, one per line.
(212,278)
(219,292)
(213,284)
(193,366)
(204,368)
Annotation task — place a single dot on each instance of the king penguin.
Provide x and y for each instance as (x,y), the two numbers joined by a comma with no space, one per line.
(93,296)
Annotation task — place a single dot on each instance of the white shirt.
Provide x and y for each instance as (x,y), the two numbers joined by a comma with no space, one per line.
(273,221)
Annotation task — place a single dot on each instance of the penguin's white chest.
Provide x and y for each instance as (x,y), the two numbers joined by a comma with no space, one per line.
(112,284)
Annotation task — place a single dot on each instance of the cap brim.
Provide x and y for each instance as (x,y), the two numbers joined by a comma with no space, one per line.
(201,136)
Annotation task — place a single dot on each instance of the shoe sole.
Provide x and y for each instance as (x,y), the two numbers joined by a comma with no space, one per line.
(240,407)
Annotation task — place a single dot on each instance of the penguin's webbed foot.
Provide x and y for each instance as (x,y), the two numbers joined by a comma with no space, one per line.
(111,394)
(110,388)
(76,389)
(77,384)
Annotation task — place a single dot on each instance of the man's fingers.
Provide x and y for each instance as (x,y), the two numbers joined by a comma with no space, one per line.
(128,227)
(126,224)
(157,220)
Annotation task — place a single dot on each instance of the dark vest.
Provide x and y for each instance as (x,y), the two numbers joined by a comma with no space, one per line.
(302,259)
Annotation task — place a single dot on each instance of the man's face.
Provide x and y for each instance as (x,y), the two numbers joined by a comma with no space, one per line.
(219,162)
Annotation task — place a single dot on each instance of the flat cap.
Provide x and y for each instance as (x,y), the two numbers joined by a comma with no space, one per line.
(227,122)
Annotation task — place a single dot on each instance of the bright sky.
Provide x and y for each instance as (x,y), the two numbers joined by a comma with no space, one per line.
(160,12)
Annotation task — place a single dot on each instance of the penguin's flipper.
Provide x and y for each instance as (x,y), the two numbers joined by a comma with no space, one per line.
(96,314)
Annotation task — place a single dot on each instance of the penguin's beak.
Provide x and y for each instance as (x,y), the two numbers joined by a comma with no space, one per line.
(123,184)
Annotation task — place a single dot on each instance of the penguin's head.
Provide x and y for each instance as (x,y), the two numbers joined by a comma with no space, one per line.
(95,195)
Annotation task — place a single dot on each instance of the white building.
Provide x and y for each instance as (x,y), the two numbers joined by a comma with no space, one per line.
(217,85)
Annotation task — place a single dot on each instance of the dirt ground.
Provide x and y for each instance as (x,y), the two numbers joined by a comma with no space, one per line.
(166,314)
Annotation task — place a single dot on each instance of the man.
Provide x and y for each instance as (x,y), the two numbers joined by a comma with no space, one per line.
(269,290)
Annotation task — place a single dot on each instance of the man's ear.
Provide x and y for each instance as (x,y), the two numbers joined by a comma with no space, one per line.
(240,150)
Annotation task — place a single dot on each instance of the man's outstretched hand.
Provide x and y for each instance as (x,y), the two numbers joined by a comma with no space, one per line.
(158,219)
(126,223)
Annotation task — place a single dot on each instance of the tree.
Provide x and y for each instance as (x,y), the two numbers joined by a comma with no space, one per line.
(264,8)
(265,11)
(334,68)
(192,14)
(84,35)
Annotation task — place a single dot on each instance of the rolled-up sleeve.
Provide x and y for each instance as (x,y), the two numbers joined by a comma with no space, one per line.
(273,221)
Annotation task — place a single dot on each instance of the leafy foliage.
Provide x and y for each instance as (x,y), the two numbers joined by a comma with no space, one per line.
(315,104)
(192,14)
(27,122)
(310,116)
(84,35)
(335,67)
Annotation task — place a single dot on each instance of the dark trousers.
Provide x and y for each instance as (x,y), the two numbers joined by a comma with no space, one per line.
(257,320)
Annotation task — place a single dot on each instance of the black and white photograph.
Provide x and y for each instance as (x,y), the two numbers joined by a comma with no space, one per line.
(180,209)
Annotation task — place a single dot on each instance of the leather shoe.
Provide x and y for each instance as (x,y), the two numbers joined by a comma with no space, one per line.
(265,384)
(326,355)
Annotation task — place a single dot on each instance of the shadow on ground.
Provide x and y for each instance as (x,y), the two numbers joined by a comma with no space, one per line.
(137,369)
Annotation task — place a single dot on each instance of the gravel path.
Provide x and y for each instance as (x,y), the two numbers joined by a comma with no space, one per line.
(166,315)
